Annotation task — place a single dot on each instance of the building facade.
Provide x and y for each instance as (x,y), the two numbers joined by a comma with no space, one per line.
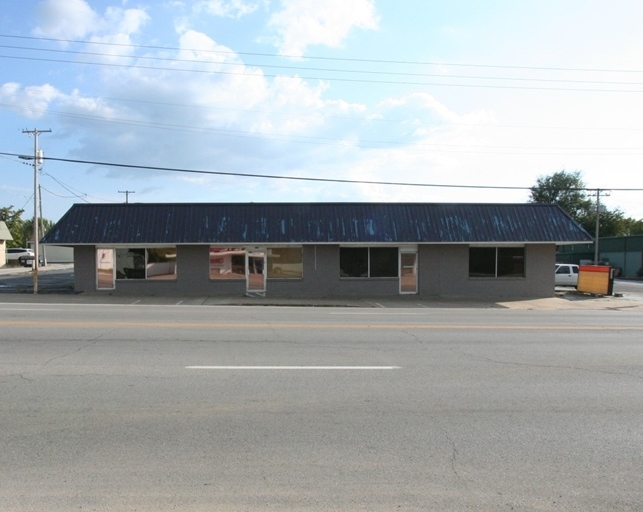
(316,250)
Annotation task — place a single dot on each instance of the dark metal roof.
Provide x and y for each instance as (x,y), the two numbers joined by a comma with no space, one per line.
(271,223)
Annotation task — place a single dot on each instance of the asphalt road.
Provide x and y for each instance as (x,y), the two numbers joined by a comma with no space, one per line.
(199,408)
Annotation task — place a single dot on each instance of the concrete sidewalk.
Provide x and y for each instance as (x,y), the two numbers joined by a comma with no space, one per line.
(564,299)
(12,270)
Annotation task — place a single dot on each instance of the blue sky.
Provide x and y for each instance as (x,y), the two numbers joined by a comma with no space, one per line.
(460,93)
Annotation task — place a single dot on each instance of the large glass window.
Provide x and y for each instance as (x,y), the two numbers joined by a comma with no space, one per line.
(161,263)
(496,262)
(368,262)
(353,262)
(285,263)
(227,263)
(139,263)
(230,263)
(511,262)
(130,263)
(383,261)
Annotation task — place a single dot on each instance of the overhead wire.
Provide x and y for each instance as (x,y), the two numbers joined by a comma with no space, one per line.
(323,140)
(300,68)
(418,147)
(329,79)
(301,178)
(312,57)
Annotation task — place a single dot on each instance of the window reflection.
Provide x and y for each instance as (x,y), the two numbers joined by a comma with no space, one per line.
(285,263)
(139,263)
(227,263)
(161,263)
(282,263)
(105,269)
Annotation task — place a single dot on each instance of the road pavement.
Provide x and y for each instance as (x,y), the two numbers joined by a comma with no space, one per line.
(192,407)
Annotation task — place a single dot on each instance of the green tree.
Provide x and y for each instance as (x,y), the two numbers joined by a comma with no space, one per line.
(566,189)
(612,222)
(13,219)
(633,226)
(43,226)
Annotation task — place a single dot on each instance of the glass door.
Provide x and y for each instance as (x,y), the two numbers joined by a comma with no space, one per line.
(105,267)
(256,271)
(408,272)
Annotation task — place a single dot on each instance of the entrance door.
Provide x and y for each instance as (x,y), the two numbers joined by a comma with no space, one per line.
(256,271)
(105,269)
(408,272)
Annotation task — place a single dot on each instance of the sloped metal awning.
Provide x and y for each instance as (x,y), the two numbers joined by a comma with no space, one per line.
(314,223)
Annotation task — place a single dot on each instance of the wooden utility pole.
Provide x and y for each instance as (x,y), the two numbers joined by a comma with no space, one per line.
(127,193)
(37,160)
(598,221)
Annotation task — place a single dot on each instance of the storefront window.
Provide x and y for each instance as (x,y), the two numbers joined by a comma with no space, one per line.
(368,262)
(140,263)
(227,263)
(496,262)
(285,263)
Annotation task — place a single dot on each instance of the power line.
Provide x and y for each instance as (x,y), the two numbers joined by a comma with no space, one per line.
(328,79)
(336,59)
(418,147)
(301,115)
(306,68)
(301,178)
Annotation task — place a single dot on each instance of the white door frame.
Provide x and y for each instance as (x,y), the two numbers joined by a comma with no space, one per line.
(258,257)
(413,268)
(98,269)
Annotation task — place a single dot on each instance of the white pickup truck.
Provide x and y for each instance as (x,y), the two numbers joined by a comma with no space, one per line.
(566,275)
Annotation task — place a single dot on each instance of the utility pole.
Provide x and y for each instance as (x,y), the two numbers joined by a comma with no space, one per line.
(598,222)
(37,159)
(42,223)
(127,193)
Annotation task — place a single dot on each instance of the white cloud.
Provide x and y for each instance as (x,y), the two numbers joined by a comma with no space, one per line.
(65,19)
(304,23)
(30,101)
(74,19)
(228,8)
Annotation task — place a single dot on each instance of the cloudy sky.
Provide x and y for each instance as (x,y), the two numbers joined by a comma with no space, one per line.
(470,95)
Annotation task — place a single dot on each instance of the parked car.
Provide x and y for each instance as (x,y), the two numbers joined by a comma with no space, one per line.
(14,253)
(27,260)
(566,275)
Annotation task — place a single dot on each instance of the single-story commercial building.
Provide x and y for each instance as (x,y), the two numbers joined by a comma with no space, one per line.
(316,249)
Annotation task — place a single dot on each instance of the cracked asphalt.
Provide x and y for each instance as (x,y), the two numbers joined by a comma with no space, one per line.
(155,406)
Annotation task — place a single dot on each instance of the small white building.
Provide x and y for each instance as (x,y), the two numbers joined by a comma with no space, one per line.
(5,236)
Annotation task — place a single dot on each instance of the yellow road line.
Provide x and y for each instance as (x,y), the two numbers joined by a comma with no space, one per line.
(183,325)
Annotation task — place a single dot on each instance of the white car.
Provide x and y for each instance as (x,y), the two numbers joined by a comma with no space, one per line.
(566,275)
(13,253)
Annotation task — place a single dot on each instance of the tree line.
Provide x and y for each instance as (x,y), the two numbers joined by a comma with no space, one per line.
(568,190)
(22,230)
